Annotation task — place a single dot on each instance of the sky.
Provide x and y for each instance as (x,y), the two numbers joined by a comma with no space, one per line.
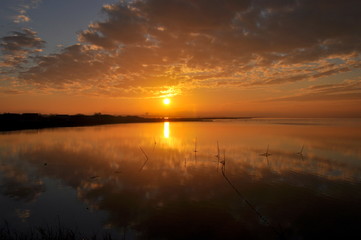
(260,58)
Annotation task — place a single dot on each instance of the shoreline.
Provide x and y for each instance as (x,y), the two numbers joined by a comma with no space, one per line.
(28,121)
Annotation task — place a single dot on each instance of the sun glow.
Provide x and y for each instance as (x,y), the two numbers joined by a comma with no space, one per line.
(166,101)
(166,130)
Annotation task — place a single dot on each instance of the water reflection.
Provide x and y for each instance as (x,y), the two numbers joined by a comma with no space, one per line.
(166,131)
(176,197)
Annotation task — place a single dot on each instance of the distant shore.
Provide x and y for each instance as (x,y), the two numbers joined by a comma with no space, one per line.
(15,121)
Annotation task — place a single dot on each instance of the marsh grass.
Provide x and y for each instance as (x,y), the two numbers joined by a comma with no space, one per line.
(48,233)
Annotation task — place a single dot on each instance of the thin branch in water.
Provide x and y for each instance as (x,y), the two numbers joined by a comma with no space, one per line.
(218,156)
(301,152)
(195,149)
(195,145)
(249,204)
(218,153)
(124,232)
(224,161)
(266,154)
(155,143)
(146,159)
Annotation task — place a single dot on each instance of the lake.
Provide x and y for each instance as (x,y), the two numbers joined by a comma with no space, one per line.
(226,179)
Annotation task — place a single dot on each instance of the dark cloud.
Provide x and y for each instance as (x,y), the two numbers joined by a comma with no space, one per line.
(331,72)
(17,184)
(123,25)
(155,43)
(349,90)
(75,63)
(27,39)
(19,46)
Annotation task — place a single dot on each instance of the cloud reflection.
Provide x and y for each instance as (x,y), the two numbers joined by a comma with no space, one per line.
(171,195)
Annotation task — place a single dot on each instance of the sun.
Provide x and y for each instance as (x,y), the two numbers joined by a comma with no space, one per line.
(166,101)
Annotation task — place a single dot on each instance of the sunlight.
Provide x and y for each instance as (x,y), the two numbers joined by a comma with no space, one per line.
(166,101)
(166,130)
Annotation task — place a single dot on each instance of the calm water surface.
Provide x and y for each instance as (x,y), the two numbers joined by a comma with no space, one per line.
(164,180)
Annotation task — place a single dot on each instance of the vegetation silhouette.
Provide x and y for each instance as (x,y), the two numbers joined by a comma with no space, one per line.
(146,159)
(48,233)
(266,154)
(300,153)
(16,121)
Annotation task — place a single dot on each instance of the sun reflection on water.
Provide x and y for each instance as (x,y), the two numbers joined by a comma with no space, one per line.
(108,168)
(166,131)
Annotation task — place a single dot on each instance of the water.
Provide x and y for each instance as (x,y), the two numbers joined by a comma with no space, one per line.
(164,180)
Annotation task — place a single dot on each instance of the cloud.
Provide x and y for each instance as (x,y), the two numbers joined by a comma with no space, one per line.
(22,9)
(348,90)
(18,47)
(18,184)
(21,18)
(8,91)
(75,63)
(21,40)
(150,44)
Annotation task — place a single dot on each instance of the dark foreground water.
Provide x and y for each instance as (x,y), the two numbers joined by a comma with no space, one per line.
(169,180)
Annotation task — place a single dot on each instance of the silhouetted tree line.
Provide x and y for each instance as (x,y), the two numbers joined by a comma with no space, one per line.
(19,121)
(13,121)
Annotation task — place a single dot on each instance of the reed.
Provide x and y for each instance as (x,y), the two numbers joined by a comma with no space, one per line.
(300,153)
(155,143)
(266,154)
(195,149)
(218,156)
(146,159)
(48,233)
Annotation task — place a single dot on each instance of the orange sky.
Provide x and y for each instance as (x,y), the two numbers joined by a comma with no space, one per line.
(212,58)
